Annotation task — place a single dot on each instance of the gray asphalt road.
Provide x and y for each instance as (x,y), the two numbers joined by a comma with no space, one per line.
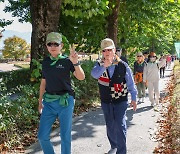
(89,131)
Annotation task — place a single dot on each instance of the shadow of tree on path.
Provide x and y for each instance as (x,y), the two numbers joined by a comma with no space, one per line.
(85,126)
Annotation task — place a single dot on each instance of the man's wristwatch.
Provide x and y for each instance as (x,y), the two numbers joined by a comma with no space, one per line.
(77,64)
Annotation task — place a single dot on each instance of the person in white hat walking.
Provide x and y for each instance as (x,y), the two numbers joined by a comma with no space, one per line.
(115,80)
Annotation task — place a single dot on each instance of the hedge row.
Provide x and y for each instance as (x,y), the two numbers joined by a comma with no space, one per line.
(16,77)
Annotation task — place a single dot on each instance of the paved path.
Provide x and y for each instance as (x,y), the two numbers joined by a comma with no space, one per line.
(4,67)
(89,131)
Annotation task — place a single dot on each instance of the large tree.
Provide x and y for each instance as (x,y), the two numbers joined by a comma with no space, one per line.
(141,24)
(152,25)
(45,17)
(112,20)
(15,47)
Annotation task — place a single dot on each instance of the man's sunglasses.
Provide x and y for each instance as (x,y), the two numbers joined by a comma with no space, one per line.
(152,56)
(107,50)
(53,44)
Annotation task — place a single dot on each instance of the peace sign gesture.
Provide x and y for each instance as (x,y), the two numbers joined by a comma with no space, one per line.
(73,54)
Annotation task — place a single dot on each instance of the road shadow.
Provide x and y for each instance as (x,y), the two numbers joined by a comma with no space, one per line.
(131,112)
(84,126)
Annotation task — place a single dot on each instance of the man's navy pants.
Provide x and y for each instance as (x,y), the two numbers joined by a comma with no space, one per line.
(115,118)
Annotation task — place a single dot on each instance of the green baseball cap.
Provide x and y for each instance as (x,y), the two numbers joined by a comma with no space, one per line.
(54,37)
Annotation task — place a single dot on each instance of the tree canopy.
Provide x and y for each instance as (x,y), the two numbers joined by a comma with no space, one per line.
(150,24)
(144,24)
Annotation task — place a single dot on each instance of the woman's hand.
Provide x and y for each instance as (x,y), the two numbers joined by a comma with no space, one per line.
(73,55)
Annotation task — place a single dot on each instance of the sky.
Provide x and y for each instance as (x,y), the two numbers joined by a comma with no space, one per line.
(22,30)
(15,26)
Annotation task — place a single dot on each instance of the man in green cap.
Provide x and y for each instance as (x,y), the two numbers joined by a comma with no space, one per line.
(56,98)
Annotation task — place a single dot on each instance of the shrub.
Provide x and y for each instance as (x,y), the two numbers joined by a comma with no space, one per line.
(87,90)
(16,77)
(18,116)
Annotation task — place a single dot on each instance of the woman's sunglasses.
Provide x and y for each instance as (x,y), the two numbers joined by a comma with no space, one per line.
(53,44)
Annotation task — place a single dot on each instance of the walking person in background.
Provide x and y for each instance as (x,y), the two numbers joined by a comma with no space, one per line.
(172,58)
(151,77)
(119,54)
(168,61)
(115,80)
(138,76)
(162,69)
(146,54)
(56,98)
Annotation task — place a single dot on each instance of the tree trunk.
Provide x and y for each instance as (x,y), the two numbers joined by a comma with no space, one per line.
(45,16)
(112,19)
(122,41)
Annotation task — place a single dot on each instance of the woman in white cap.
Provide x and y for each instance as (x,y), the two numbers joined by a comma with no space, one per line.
(56,98)
(151,77)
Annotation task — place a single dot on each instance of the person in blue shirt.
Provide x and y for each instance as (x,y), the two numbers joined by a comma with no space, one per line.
(115,80)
